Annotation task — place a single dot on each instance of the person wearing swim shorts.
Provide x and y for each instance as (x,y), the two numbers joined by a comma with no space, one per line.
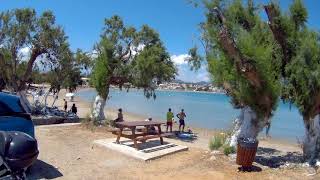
(181,117)
(169,119)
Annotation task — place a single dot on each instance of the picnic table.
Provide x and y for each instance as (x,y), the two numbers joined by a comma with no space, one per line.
(139,136)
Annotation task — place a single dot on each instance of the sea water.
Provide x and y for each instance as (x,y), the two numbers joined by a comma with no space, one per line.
(205,110)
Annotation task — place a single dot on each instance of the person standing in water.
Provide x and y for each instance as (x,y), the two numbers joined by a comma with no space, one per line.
(169,120)
(181,117)
(268,125)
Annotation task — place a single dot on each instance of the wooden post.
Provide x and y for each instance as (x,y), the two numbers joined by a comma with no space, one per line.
(133,130)
(159,133)
(119,135)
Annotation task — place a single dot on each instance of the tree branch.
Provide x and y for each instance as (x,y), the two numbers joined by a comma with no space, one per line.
(316,107)
(243,65)
(278,34)
(34,54)
(128,50)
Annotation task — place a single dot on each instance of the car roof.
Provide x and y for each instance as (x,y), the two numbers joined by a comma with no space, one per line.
(10,102)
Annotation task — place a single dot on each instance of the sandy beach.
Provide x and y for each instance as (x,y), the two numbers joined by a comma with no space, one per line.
(67,152)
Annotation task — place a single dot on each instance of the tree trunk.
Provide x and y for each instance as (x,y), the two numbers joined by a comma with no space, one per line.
(46,98)
(55,98)
(24,101)
(247,125)
(311,142)
(97,113)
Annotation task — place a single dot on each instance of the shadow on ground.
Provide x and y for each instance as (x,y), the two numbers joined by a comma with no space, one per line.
(250,169)
(274,158)
(144,145)
(43,170)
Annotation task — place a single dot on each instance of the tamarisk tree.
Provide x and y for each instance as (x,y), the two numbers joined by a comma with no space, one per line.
(300,49)
(66,74)
(243,59)
(126,56)
(23,29)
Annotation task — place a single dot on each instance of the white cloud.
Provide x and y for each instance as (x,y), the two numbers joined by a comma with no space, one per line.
(185,74)
(180,59)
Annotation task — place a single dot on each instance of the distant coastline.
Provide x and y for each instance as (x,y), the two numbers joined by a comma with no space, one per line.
(171,90)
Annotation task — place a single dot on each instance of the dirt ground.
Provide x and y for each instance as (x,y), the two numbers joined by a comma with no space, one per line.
(67,152)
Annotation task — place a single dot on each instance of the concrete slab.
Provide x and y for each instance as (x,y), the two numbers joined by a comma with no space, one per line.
(149,150)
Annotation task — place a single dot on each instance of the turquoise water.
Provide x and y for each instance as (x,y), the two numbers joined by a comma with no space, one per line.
(206,110)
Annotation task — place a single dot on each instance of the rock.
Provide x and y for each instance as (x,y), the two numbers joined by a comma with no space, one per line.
(213,158)
(305,164)
(216,152)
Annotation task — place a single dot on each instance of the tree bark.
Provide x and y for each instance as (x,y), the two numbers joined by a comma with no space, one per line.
(311,142)
(279,35)
(55,98)
(247,125)
(98,108)
(97,113)
(243,65)
(34,55)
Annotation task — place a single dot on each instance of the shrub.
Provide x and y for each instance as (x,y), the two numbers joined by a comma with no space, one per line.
(228,150)
(217,141)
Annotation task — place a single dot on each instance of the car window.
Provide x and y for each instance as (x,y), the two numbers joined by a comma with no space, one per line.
(11,104)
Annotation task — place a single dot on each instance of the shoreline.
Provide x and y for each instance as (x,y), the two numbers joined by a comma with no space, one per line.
(205,134)
(168,90)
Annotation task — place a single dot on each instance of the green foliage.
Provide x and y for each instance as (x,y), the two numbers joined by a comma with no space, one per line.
(298,14)
(21,29)
(217,141)
(300,54)
(303,74)
(128,56)
(101,72)
(84,60)
(228,150)
(254,42)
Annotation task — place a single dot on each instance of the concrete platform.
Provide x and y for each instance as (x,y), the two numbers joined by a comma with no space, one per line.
(149,150)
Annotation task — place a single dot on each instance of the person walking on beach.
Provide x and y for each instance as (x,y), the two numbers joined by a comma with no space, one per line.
(181,117)
(65,105)
(170,117)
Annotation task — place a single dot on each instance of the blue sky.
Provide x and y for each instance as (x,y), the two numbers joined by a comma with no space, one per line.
(176,21)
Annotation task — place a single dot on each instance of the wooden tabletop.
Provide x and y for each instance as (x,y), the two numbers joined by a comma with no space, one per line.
(139,123)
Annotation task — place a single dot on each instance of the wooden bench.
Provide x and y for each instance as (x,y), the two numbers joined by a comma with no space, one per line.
(138,136)
(145,137)
(117,130)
